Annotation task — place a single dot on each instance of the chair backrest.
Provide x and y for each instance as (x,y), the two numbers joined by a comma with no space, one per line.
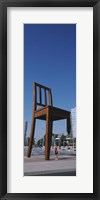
(42,96)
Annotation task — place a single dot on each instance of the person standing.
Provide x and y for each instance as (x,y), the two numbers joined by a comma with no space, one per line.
(56,152)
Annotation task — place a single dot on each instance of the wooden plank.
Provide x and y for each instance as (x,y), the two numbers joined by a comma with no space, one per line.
(42,86)
(48,135)
(40,95)
(35,97)
(31,136)
(45,97)
(40,112)
(40,104)
(50,98)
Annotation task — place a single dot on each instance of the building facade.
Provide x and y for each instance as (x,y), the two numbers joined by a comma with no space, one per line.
(73,122)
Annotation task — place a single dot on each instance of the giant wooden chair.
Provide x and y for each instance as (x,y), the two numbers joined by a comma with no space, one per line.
(48,113)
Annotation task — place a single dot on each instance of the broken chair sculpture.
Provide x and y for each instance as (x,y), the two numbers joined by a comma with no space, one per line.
(48,113)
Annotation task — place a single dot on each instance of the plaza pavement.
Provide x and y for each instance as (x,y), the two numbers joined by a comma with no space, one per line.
(38,166)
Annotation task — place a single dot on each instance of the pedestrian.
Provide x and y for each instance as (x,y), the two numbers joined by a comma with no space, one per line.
(56,152)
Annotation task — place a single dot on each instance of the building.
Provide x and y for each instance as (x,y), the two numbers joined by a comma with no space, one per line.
(73,122)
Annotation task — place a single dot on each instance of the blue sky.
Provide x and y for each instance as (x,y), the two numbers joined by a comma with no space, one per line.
(50,59)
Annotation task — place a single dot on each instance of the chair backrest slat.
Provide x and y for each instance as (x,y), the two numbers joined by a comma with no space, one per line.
(35,97)
(40,95)
(50,97)
(39,101)
(45,97)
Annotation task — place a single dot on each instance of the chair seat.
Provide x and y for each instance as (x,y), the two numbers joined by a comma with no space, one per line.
(55,113)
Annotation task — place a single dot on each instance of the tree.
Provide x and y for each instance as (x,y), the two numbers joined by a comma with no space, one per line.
(62,140)
(40,142)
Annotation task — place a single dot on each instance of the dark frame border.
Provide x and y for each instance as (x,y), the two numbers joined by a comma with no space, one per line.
(3,96)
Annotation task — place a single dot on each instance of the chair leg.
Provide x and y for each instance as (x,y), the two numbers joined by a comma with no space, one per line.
(48,136)
(31,136)
(68,125)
